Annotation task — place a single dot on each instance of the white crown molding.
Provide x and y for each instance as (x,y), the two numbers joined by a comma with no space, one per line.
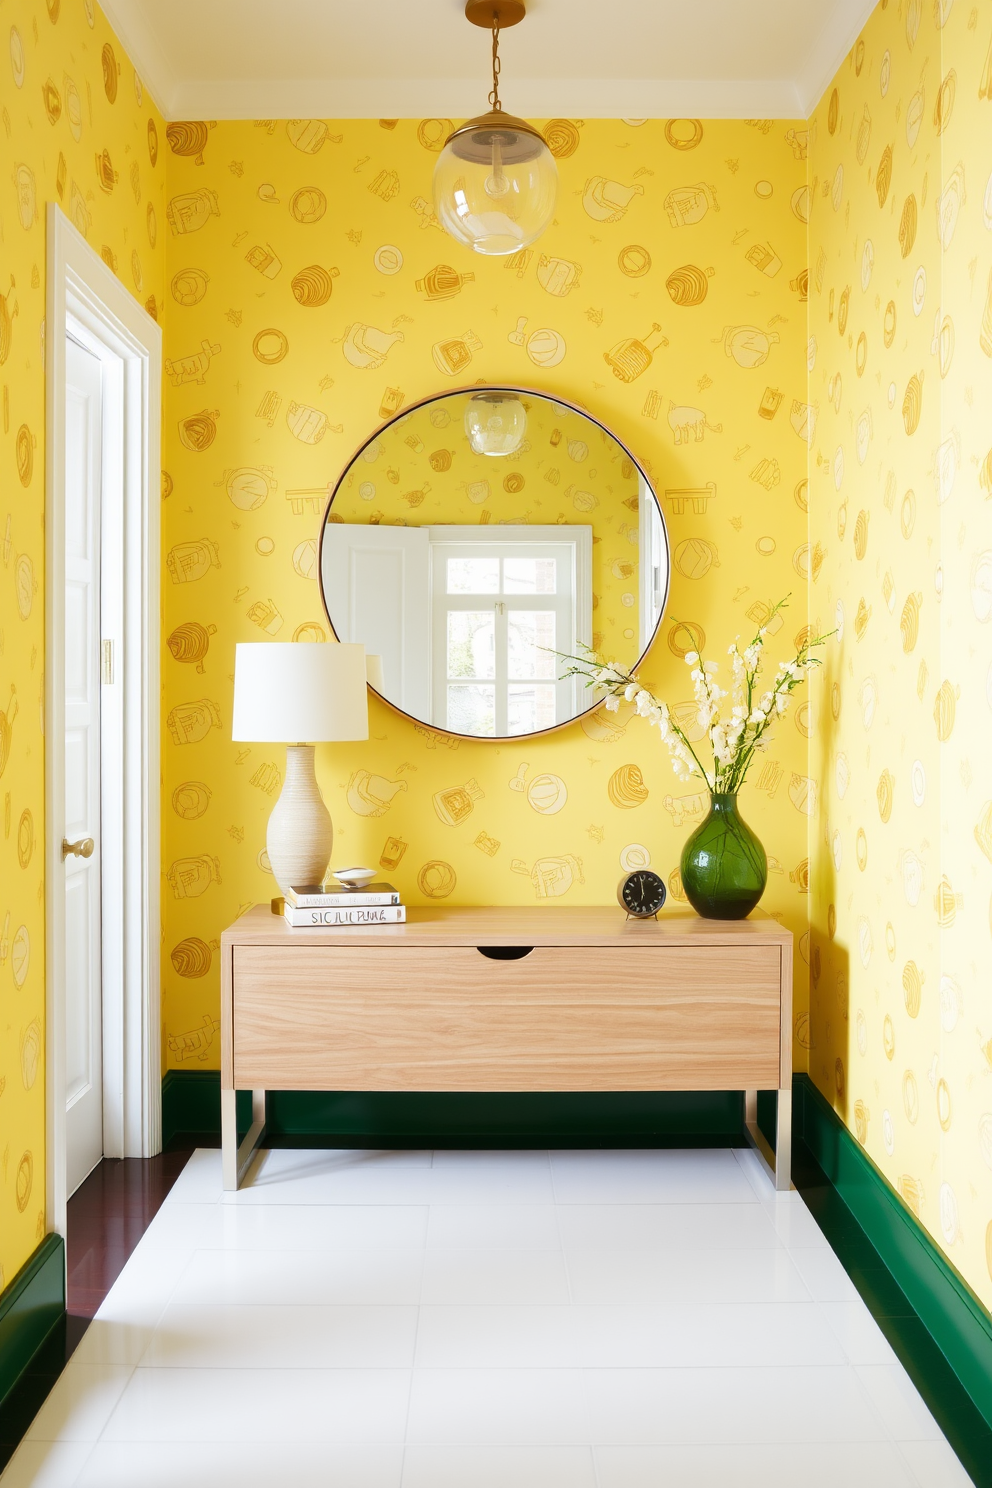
(458,98)
(840,31)
(413,98)
(147,57)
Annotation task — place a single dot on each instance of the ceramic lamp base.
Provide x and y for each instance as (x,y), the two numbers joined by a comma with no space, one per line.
(300,835)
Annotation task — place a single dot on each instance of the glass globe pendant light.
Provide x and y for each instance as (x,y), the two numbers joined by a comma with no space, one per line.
(495,423)
(495,180)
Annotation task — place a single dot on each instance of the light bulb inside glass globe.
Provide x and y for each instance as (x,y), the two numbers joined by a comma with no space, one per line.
(495,185)
(495,423)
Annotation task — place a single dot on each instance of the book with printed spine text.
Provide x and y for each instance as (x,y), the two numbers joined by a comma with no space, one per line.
(370,914)
(315,896)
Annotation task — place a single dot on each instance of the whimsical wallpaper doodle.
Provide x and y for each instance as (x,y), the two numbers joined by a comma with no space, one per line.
(313,296)
(901,538)
(77,129)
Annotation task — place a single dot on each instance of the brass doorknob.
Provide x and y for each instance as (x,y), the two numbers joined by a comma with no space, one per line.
(81,849)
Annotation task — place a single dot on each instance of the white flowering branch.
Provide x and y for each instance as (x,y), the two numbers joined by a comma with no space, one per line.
(733,741)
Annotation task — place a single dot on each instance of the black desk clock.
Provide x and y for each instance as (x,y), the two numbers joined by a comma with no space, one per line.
(642,893)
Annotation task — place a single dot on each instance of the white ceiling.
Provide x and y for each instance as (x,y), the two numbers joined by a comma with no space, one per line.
(227,59)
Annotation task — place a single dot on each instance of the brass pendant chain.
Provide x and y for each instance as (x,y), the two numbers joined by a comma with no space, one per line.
(494,95)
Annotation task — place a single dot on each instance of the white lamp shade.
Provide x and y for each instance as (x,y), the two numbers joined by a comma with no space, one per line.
(375,672)
(292,692)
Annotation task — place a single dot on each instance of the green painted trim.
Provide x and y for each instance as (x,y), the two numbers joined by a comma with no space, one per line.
(941,1298)
(30,1307)
(191,1104)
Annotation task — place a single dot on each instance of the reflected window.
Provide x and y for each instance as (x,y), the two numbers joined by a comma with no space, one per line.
(473,576)
(471,644)
(530,708)
(538,600)
(472,709)
(532,640)
(529,575)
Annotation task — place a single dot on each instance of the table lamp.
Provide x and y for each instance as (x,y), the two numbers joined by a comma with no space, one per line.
(284,693)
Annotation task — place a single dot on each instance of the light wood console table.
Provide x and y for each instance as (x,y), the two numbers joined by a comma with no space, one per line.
(592,1001)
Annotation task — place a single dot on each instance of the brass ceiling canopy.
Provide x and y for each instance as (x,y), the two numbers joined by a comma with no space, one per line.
(507,12)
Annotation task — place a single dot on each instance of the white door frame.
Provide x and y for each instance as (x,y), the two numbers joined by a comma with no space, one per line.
(82,289)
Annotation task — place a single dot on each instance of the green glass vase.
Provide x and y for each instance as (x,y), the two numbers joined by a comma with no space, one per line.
(724,868)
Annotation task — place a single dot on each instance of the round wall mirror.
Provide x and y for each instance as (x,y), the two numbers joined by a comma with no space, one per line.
(473,537)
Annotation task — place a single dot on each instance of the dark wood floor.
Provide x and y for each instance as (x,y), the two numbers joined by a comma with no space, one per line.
(108,1214)
(106,1217)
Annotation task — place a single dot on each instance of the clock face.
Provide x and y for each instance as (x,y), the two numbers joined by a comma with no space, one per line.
(642,893)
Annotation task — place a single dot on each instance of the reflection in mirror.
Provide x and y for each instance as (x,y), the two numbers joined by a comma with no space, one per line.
(477,535)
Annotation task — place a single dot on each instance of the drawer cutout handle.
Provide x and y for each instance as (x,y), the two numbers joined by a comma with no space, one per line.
(504,953)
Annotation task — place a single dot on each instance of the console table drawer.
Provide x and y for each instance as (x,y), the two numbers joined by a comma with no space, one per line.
(368,1017)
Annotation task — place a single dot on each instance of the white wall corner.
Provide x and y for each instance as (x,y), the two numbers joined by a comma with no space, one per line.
(845,21)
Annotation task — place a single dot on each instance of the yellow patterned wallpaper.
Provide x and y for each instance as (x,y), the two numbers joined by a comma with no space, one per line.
(77,129)
(312,295)
(901,533)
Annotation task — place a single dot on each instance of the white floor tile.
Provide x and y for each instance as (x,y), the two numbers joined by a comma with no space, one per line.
(436,1320)
(209,1336)
(667,1226)
(860,1336)
(81,1402)
(498,1467)
(298,1277)
(323,1227)
(178,1226)
(639,1406)
(109,1342)
(262,1405)
(169,1464)
(294,1177)
(898,1402)
(934,1465)
(795,1226)
(42,1464)
(145,1285)
(494,1277)
(706,1176)
(761,1465)
(700,1276)
(638,1336)
(493,1227)
(200,1181)
(825,1276)
(495,1161)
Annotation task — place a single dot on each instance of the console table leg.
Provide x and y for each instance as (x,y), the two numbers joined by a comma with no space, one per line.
(783,1141)
(777,1164)
(235,1159)
(750,1108)
(229,1138)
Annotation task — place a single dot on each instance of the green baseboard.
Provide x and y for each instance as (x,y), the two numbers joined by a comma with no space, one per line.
(191,1104)
(30,1307)
(947,1307)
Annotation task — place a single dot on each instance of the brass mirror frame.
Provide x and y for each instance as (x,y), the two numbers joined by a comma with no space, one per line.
(524,392)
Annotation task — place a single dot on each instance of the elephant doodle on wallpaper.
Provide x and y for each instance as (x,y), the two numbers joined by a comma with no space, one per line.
(684,421)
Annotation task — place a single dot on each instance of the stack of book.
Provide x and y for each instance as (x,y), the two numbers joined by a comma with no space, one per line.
(372,904)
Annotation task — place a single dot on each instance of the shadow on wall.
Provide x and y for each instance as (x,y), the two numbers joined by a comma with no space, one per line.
(829,959)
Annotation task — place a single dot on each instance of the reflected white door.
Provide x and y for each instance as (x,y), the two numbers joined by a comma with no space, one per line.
(377,581)
(83,991)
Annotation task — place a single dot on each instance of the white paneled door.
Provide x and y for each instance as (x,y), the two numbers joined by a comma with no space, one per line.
(81,846)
